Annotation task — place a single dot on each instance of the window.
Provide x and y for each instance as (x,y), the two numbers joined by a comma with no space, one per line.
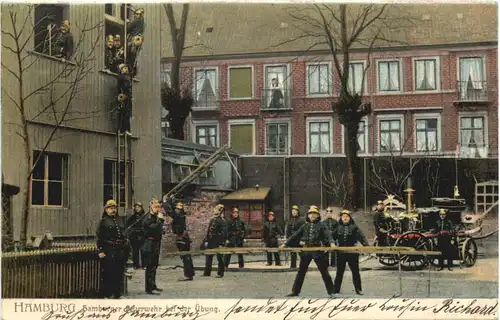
(114,187)
(427,134)
(388,76)
(425,74)
(165,125)
(207,135)
(242,136)
(116,16)
(472,80)
(278,141)
(362,136)
(206,87)
(472,133)
(390,135)
(49,180)
(165,75)
(355,80)
(318,79)
(319,136)
(275,93)
(240,82)
(48,19)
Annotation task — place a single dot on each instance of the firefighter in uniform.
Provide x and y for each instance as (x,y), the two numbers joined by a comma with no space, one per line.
(111,244)
(136,234)
(237,232)
(382,221)
(153,230)
(331,225)
(216,238)
(293,226)
(347,234)
(312,234)
(182,241)
(444,228)
(270,237)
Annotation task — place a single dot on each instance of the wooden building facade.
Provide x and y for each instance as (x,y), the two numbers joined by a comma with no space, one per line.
(78,170)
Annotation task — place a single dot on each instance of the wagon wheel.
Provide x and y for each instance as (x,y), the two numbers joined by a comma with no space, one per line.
(389,260)
(420,243)
(434,259)
(469,252)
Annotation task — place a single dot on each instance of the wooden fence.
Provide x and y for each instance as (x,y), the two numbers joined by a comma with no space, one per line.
(56,273)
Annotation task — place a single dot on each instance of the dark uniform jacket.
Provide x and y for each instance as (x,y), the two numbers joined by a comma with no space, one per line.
(312,234)
(110,234)
(347,235)
(217,232)
(381,221)
(153,230)
(330,224)
(135,27)
(294,225)
(179,225)
(124,84)
(236,228)
(271,230)
(109,57)
(64,45)
(136,229)
(444,225)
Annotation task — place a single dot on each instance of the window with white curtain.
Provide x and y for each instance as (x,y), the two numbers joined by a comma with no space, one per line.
(390,135)
(425,74)
(319,137)
(471,75)
(277,138)
(318,79)
(207,135)
(472,132)
(426,134)
(362,136)
(389,76)
(206,87)
(355,79)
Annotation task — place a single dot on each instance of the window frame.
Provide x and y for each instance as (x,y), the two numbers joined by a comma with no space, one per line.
(236,122)
(365,81)
(473,114)
(288,75)
(205,123)
(217,88)
(366,135)
(229,81)
(428,116)
(65,192)
(286,121)
(311,120)
(474,56)
(65,16)
(330,79)
(118,22)
(118,187)
(400,76)
(389,117)
(437,66)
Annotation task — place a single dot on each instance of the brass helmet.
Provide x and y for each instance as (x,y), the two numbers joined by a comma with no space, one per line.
(218,209)
(110,204)
(442,212)
(121,97)
(236,210)
(345,212)
(139,11)
(295,207)
(123,66)
(65,25)
(179,205)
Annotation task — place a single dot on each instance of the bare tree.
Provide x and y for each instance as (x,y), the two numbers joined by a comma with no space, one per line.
(52,97)
(341,28)
(336,186)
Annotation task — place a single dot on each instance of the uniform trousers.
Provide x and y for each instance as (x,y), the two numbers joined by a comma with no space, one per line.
(273,243)
(321,260)
(151,260)
(136,243)
(353,260)
(112,272)
(446,248)
(184,244)
(293,255)
(209,260)
(235,242)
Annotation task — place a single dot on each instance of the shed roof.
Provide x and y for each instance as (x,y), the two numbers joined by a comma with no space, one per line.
(248,194)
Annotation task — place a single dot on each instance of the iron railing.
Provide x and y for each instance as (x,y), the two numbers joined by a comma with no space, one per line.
(207,100)
(472,91)
(55,273)
(275,99)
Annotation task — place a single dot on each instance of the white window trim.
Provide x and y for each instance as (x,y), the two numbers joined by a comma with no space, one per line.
(277,121)
(239,122)
(229,81)
(288,74)
(425,116)
(438,73)
(330,84)
(116,18)
(196,123)
(400,117)
(65,182)
(367,143)
(365,84)
(465,56)
(474,114)
(401,78)
(310,120)
(195,69)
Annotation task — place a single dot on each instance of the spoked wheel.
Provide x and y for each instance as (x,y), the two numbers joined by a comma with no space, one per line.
(420,243)
(469,252)
(389,260)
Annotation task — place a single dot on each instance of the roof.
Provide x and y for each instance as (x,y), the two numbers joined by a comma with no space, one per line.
(248,194)
(256,28)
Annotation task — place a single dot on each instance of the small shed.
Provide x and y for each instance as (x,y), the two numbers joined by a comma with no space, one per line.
(253,205)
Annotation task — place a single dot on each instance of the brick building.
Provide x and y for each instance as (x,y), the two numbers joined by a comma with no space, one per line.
(436,95)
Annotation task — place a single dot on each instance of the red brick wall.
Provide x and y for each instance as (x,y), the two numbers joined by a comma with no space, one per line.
(304,107)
